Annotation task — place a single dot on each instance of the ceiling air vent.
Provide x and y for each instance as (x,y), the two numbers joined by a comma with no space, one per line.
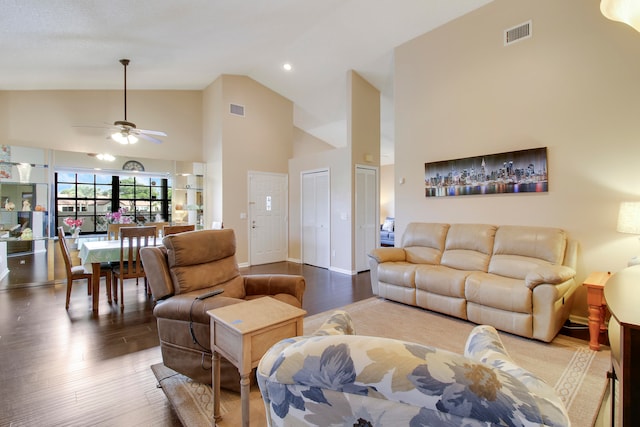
(237,110)
(517,33)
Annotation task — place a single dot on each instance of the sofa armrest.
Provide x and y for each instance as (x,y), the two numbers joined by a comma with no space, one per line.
(339,323)
(388,254)
(156,269)
(551,274)
(388,382)
(273,284)
(484,345)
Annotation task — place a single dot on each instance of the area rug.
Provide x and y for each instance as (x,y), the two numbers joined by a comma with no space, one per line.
(577,373)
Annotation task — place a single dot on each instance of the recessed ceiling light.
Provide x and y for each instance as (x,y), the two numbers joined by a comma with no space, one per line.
(287,67)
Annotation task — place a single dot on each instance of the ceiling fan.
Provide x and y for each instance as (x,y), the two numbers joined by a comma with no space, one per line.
(126,132)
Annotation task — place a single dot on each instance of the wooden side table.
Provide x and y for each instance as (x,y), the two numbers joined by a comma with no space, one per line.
(243,333)
(597,306)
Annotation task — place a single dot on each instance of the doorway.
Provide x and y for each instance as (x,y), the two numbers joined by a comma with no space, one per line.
(268,220)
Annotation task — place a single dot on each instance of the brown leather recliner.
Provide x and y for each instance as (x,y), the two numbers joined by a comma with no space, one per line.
(191,265)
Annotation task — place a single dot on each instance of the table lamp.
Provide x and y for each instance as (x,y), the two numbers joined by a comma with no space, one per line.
(629,222)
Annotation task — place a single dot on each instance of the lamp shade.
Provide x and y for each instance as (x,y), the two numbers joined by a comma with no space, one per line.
(627,11)
(629,218)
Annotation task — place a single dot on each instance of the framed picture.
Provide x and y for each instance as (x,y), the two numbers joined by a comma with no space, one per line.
(523,171)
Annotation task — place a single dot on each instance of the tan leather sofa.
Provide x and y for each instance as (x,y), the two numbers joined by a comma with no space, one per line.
(518,279)
(188,266)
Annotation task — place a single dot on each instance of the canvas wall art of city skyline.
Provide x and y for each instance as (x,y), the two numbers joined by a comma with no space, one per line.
(523,171)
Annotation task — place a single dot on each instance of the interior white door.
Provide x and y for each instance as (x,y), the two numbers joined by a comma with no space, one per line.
(316,230)
(367,211)
(268,207)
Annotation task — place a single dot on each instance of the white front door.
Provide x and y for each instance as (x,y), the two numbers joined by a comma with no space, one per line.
(268,221)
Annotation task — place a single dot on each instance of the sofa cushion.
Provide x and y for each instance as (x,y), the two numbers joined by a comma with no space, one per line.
(441,280)
(544,243)
(424,242)
(499,292)
(388,225)
(468,246)
(514,266)
(398,273)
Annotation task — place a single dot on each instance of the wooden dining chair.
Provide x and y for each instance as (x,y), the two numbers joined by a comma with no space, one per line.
(158,225)
(113,230)
(174,229)
(78,272)
(130,267)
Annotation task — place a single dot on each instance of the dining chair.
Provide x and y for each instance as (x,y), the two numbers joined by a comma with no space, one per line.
(130,266)
(158,225)
(78,272)
(175,229)
(113,230)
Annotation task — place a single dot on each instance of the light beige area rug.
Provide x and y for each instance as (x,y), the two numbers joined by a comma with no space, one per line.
(577,373)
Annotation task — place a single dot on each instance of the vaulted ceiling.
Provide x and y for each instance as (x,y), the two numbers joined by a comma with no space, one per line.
(72,44)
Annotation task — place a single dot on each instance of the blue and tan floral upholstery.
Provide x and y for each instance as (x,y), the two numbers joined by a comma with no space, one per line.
(330,379)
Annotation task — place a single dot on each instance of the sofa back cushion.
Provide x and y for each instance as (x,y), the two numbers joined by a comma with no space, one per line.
(519,249)
(204,259)
(424,242)
(469,246)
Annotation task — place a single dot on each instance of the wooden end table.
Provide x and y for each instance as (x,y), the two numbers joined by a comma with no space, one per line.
(243,333)
(597,306)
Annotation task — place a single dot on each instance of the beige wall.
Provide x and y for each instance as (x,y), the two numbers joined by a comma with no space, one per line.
(260,141)
(572,87)
(337,161)
(46,119)
(305,143)
(387,197)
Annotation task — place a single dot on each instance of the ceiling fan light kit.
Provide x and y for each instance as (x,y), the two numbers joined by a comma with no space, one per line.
(126,132)
(627,11)
(124,138)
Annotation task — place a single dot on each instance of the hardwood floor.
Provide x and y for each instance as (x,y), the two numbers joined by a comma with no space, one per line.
(75,368)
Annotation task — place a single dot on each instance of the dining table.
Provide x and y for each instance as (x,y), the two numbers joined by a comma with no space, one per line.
(93,253)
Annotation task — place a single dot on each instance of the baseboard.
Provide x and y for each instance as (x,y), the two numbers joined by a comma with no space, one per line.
(342,271)
(296,260)
(581,320)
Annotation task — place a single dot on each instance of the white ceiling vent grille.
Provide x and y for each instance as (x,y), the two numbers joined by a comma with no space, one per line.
(236,109)
(517,33)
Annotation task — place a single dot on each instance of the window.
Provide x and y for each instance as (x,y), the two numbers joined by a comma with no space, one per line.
(90,196)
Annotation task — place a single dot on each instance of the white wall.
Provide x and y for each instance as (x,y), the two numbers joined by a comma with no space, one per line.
(572,87)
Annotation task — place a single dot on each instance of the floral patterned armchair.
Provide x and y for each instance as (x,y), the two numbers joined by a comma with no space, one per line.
(333,378)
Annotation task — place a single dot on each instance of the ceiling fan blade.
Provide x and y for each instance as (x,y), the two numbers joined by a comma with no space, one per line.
(148,138)
(151,132)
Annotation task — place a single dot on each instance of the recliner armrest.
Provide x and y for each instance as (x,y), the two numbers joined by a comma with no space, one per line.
(154,261)
(388,255)
(551,274)
(273,284)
